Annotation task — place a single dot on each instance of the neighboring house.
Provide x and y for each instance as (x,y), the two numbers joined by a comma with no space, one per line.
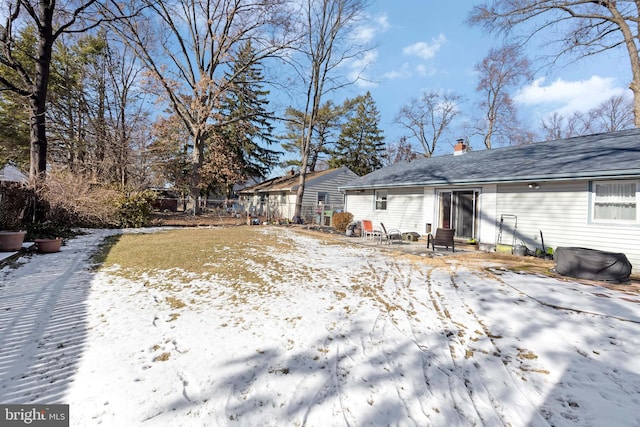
(582,191)
(10,173)
(276,197)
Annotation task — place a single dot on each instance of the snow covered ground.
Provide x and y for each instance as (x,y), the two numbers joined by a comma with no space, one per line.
(370,338)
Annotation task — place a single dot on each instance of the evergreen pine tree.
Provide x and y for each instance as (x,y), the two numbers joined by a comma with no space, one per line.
(14,131)
(325,129)
(249,133)
(360,146)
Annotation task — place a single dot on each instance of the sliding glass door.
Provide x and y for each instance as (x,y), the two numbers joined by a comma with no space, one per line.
(459,210)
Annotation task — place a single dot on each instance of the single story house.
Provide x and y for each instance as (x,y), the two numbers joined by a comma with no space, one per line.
(582,191)
(275,198)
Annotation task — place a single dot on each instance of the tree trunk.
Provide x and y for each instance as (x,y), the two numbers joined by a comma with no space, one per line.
(490,124)
(301,184)
(197,159)
(38,101)
(634,59)
(306,143)
(38,139)
(635,88)
(38,107)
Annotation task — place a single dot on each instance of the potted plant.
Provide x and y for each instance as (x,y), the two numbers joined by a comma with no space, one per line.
(11,240)
(47,237)
(47,246)
(12,234)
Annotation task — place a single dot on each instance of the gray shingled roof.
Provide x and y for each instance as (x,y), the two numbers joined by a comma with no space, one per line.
(290,182)
(594,156)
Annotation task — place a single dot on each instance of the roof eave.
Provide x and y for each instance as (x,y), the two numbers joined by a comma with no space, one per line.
(618,174)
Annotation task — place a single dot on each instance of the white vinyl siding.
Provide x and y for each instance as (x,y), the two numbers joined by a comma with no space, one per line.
(562,212)
(405,207)
(487,221)
(559,210)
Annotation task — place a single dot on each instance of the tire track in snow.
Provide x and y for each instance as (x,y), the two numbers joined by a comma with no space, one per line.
(415,319)
(405,321)
(460,389)
(458,356)
(473,351)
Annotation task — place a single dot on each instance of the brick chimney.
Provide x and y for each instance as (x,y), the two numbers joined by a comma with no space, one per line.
(459,148)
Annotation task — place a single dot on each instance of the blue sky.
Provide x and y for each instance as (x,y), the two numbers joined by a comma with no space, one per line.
(424,45)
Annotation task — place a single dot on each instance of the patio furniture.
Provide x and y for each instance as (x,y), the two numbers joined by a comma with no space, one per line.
(391,235)
(443,237)
(367,230)
(592,264)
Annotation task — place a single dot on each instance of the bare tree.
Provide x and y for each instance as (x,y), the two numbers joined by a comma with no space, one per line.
(96,111)
(616,113)
(502,69)
(583,28)
(399,151)
(429,117)
(612,115)
(553,127)
(189,48)
(326,28)
(30,65)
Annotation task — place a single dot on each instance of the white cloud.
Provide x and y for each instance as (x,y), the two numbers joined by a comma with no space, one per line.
(403,73)
(364,35)
(425,50)
(368,32)
(424,71)
(421,70)
(406,71)
(383,22)
(567,97)
(358,69)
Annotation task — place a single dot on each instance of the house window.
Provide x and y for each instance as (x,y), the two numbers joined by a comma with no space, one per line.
(283,198)
(323,198)
(614,201)
(381,200)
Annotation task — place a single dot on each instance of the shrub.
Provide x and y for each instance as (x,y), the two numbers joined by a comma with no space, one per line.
(341,220)
(72,200)
(15,201)
(134,208)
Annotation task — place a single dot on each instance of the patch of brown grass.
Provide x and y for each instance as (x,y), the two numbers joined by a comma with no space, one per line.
(234,254)
(526,354)
(162,357)
(175,302)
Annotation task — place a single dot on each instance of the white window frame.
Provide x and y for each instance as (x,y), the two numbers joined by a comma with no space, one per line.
(381,200)
(595,199)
